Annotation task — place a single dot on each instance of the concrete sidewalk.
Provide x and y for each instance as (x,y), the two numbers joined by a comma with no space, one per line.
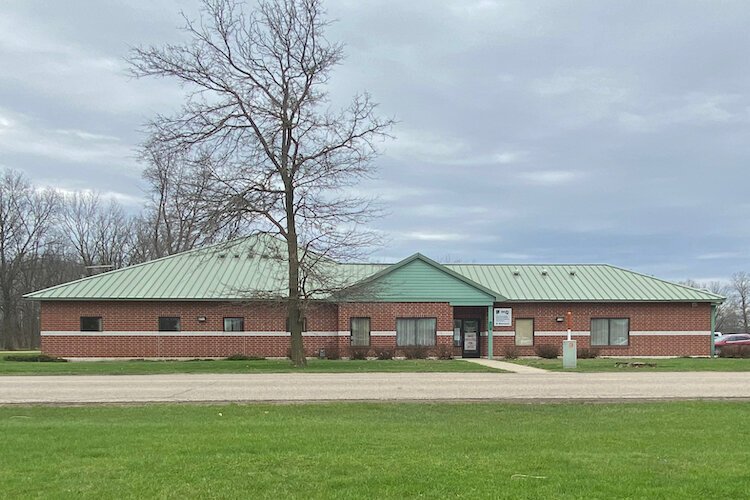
(504,365)
(373,387)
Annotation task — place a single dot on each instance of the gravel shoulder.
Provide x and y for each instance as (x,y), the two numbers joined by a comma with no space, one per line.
(302,387)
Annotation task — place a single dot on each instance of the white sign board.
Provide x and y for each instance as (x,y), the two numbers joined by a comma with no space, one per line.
(503,316)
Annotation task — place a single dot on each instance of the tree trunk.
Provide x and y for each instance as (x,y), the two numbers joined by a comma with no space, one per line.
(294,310)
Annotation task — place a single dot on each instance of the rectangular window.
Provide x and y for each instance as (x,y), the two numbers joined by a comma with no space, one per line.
(610,331)
(169,324)
(234,324)
(416,331)
(524,332)
(91,323)
(360,328)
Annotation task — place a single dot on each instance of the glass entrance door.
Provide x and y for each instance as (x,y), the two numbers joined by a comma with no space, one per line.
(470,338)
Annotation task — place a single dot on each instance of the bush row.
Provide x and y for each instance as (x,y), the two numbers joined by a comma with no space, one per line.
(383,353)
(734,351)
(549,351)
(34,358)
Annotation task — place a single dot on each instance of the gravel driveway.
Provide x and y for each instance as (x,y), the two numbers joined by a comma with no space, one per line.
(372,387)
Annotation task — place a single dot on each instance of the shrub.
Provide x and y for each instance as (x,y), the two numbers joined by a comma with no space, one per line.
(510,352)
(444,352)
(588,353)
(244,357)
(35,358)
(415,352)
(359,352)
(384,353)
(333,351)
(547,351)
(734,351)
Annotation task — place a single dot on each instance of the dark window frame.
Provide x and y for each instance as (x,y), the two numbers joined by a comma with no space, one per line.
(179,323)
(369,331)
(609,332)
(533,332)
(99,329)
(434,337)
(242,323)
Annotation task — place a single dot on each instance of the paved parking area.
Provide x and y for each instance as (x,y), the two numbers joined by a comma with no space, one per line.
(372,387)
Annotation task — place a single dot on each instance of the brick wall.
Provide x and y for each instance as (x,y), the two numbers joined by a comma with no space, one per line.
(259,317)
(328,327)
(644,317)
(144,316)
(383,319)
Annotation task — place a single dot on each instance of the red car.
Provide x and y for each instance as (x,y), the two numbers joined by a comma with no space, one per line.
(732,339)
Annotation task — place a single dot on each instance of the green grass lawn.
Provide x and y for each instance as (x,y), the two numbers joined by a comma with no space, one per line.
(653,450)
(142,367)
(662,365)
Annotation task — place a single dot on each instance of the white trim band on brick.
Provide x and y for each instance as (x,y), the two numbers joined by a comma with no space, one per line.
(670,333)
(188,334)
(445,333)
(562,334)
(383,334)
(538,334)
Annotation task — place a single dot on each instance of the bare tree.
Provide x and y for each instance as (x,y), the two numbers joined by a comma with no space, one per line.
(280,158)
(26,217)
(175,215)
(741,288)
(99,233)
(725,312)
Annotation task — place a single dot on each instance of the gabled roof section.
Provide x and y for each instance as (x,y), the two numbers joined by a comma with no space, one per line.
(255,267)
(420,279)
(233,270)
(579,283)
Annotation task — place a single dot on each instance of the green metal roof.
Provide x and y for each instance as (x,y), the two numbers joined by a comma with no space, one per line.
(254,266)
(226,271)
(579,283)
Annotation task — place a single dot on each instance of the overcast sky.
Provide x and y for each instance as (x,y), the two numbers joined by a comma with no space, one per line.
(529,131)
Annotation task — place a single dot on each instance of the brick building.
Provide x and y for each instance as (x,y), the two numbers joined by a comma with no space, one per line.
(228,299)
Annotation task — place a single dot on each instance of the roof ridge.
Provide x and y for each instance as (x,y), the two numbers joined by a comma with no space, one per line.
(524,264)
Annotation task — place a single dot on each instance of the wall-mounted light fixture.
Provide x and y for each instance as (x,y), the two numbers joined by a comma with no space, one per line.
(560,319)
(201,319)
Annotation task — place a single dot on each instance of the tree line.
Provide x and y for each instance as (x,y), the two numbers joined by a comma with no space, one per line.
(734,314)
(48,237)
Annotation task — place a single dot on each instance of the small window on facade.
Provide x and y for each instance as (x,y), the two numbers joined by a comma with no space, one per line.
(234,324)
(169,324)
(416,331)
(360,328)
(524,332)
(610,331)
(304,325)
(91,323)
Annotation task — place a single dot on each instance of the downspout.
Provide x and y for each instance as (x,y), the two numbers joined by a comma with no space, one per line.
(713,330)
(489,332)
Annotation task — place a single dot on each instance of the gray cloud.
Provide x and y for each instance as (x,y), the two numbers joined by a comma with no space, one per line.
(594,131)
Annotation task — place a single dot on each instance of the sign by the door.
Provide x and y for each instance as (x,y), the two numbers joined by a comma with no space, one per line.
(470,341)
(503,316)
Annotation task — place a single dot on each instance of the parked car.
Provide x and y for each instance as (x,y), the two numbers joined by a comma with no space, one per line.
(731,339)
